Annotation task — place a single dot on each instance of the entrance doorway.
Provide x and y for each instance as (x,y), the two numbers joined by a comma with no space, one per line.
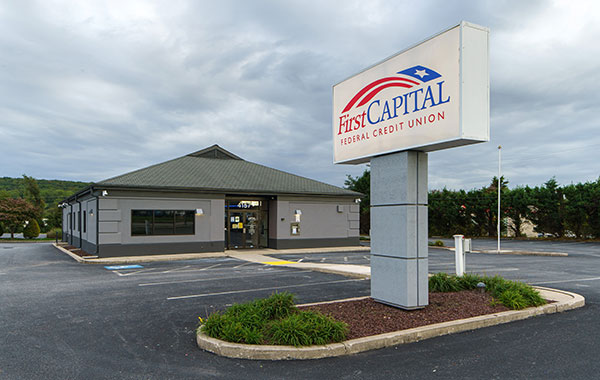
(246,223)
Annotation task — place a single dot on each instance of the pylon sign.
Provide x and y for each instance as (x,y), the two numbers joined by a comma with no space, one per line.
(432,96)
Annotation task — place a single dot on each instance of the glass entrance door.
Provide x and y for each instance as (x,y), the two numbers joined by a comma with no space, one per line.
(236,230)
(251,229)
(246,224)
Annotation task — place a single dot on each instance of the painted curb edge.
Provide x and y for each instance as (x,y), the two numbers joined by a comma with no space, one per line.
(354,346)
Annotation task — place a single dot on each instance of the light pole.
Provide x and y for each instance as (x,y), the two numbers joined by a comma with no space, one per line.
(499,186)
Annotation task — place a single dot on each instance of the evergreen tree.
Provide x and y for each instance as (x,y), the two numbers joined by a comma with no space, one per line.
(32,230)
(34,196)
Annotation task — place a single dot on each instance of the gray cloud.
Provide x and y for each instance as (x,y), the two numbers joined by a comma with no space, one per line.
(94,89)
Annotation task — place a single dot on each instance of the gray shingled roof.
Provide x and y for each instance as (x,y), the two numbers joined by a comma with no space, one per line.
(215,169)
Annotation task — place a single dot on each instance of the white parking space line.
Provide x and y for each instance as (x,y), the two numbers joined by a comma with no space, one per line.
(366,257)
(242,265)
(270,273)
(263,289)
(152,271)
(136,272)
(210,267)
(176,269)
(563,281)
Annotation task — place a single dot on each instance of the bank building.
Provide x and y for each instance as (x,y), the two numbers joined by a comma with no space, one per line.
(208,201)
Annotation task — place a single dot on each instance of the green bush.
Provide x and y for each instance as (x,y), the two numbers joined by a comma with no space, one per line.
(32,230)
(306,328)
(274,320)
(437,243)
(53,233)
(442,282)
(512,294)
(512,299)
(1,229)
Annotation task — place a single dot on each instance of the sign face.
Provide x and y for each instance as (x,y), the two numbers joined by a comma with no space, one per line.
(432,96)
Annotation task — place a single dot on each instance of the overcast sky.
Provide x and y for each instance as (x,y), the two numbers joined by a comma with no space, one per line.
(93,89)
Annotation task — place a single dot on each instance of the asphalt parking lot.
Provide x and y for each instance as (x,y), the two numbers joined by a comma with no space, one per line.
(61,319)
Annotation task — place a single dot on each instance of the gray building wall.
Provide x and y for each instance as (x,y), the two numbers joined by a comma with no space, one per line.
(323,222)
(114,230)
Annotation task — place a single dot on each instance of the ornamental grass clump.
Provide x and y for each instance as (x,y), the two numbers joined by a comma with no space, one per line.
(512,294)
(274,320)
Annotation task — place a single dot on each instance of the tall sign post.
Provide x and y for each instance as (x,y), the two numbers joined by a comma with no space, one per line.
(432,96)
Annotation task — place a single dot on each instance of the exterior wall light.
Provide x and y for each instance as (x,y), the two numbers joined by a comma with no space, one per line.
(104,193)
(199,212)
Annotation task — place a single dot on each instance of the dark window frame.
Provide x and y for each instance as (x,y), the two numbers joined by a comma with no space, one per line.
(152,227)
(84,222)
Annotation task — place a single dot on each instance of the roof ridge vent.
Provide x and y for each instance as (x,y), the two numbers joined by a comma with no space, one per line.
(215,152)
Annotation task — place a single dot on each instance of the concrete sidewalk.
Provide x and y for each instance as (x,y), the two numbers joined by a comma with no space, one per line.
(352,270)
(253,255)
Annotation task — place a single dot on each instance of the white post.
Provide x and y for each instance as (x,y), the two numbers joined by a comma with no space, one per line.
(459,255)
(499,189)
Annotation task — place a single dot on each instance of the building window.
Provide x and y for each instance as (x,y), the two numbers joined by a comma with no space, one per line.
(84,222)
(79,221)
(162,222)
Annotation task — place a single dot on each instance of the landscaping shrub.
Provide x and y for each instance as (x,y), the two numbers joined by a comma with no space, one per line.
(512,299)
(274,320)
(512,294)
(32,230)
(306,328)
(442,282)
(437,243)
(53,233)
(1,229)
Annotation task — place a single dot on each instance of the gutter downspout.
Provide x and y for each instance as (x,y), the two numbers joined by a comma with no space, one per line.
(97,223)
(70,221)
(79,216)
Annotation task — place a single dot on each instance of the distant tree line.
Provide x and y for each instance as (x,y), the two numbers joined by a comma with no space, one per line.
(31,206)
(553,210)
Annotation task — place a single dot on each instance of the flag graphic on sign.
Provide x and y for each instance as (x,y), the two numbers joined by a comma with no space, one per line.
(413,76)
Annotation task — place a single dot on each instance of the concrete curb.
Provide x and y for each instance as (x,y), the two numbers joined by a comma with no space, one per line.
(509,252)
(79,259)
(192,256)
(26,242)
(563,301)
(523,253)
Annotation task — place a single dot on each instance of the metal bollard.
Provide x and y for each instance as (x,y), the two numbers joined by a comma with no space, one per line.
(459,254)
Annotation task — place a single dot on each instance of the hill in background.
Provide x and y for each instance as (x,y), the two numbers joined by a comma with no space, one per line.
(52,190)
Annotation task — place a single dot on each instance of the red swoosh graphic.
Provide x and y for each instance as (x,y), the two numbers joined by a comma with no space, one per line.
(370,86)
(378,89)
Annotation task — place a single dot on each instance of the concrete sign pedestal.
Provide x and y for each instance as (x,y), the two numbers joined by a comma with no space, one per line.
(399,230)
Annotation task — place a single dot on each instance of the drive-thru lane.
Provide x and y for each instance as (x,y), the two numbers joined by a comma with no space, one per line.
(61,319)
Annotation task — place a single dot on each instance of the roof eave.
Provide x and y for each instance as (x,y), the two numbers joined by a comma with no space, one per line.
(350,193)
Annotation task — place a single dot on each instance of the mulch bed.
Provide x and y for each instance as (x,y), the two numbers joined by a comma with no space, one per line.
(78,251)
(367,317)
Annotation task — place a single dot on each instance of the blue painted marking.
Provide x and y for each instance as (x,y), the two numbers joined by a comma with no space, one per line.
(117,267)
